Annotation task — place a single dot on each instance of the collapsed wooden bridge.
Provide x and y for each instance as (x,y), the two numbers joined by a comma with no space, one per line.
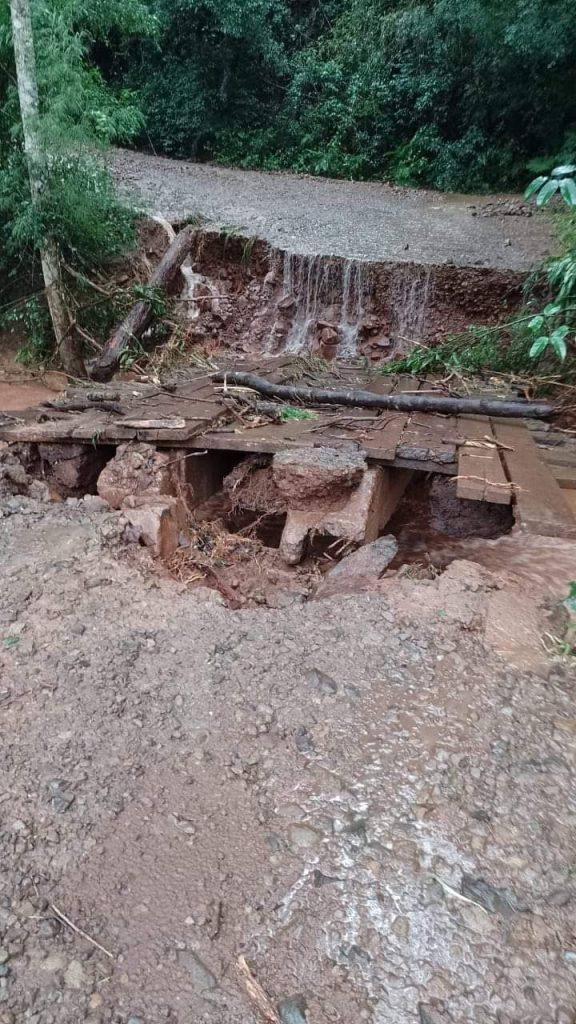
(510,462)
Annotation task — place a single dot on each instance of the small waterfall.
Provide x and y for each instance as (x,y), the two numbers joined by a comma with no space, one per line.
(197,290)
(409,299)
(353,295)
(324,289)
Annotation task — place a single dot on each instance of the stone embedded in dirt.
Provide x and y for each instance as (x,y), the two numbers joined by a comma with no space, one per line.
(303,740)
(135,470)
(495,901)
(94,503)
(303,836)
(61,798)
(74,976)
(156,523)
(307,475)
(321,682)
(293,1010)
(200,975)
(71,469)
(359,570)
(430,1015)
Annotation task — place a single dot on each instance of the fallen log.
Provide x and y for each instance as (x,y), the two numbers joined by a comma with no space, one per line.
(401,402)
(142,313)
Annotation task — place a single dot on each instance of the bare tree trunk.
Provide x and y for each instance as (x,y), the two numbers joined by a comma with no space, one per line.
(23,41)
(142,314)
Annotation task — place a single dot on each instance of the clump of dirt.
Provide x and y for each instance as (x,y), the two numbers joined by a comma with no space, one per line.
(241,567)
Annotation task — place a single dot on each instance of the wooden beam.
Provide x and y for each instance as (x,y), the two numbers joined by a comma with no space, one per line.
(481,475)
(540,506)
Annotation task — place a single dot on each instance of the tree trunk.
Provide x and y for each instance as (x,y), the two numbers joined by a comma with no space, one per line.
(399,401)
(141,315)
(25,59)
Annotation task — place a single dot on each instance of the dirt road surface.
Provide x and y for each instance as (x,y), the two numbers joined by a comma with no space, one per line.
(355,796)
(360,220)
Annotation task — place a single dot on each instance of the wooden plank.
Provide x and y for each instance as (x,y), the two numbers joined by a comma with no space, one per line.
(481,475)
(382,441)
(428,438)
(558,456)
(540,504)
(565,476)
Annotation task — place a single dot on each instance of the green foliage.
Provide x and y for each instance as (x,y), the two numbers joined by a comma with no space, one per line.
(154,296)
(79,113)
(559,181)
(484,350)
(458,94)
(31,319)
(289,413)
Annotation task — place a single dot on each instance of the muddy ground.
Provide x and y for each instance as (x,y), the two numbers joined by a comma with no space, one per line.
(356,795)
(357,220)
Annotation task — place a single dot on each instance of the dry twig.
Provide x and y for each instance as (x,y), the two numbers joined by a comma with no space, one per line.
(257,993)
(80,931)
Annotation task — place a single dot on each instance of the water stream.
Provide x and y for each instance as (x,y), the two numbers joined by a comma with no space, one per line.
(325,289)
(341,292)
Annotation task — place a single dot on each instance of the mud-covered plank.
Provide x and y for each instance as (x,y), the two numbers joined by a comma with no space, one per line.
(382,441)
(540,503)
(481,475)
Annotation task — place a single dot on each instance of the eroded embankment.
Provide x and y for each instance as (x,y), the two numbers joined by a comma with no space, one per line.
(246,295)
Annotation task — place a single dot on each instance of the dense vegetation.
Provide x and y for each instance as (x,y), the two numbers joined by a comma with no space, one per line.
(454,94)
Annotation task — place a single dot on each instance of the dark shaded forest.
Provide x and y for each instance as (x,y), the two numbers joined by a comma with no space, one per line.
(452,94)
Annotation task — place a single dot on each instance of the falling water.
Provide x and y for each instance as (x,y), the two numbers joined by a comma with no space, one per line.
(353,294)
(409,303)
(324,289)
(196,288)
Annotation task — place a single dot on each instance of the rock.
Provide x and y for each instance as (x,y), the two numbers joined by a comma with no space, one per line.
(321,683)
(370,560)
(74,975)
(94,503)
(39,490)
(320,879)
(53,963)
(4,955)
(155,523)
(61,799)
(293,1010)
(359,570)
(305,475)
(303,836)
(135,1020)
(430,1015)
(559,898)
(200,975)
(303,740)
(138,469)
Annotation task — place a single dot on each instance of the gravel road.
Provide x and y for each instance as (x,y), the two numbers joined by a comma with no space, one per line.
(360,800)
(360,220)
